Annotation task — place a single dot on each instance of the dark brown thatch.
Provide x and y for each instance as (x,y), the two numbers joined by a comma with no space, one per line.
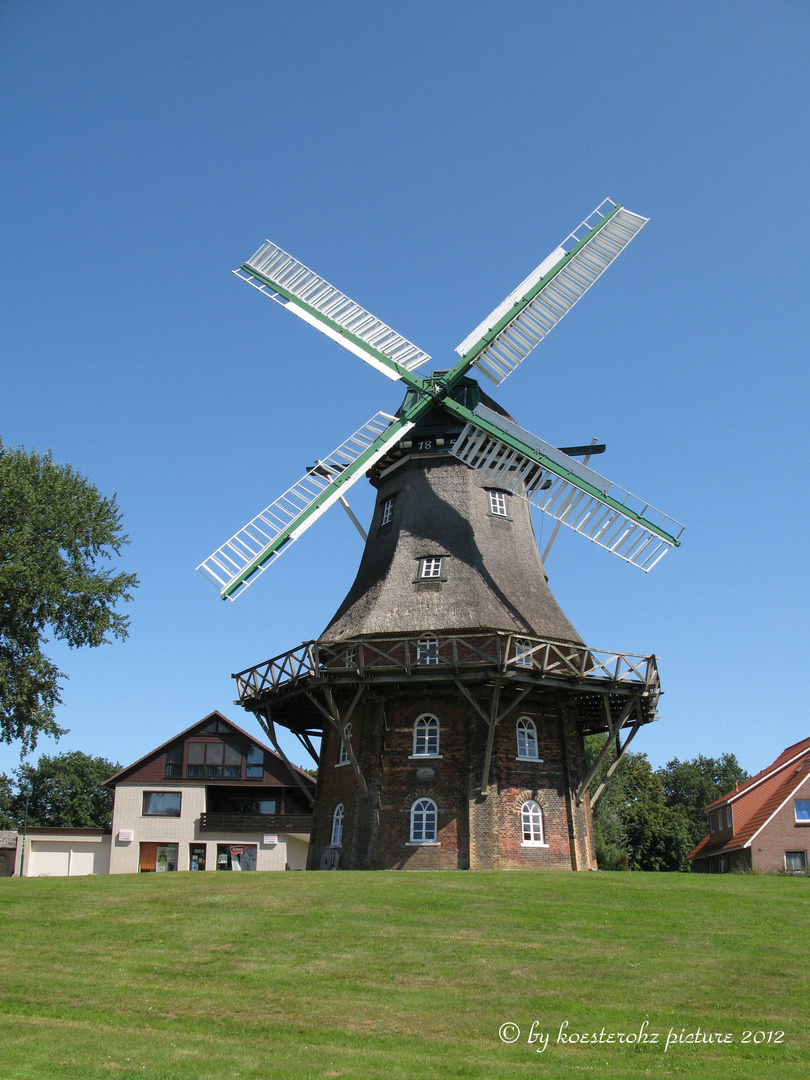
(493,577)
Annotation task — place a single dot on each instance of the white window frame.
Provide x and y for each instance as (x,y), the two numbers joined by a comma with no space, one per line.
(387,512)
(805,818)
(523,652)
(526,732)
(350,659)
(427,650)
(338,815)
(498,506)
(426,732)
(711,822)
(343,758)
(430,568)
(728,817)
(531,822)
(424,822)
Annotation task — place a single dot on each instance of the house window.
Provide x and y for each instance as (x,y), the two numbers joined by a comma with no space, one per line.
(344,745)
(711,822)
(795,861)
(526,739)
(387,512)
(161,803)
(728,817)
(497,504)
(350,660)
(427,650)
(802,809)
(423,822)
(337,826)
(426,737)
(430,568)
(523,653)
(255,763)
(196,857)
(174,761)
(214,760)
(532,818)
(236,856)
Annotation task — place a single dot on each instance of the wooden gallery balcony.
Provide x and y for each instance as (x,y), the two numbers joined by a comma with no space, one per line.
(256,823)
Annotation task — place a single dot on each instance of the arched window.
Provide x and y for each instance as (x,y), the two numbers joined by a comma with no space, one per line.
(523,653)
(532,817)
(337,826)
(426,736)
(526,739)
(427,650)
(423,822)
(344,747)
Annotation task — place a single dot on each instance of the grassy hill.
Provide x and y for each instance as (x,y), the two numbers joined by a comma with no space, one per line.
(263,976)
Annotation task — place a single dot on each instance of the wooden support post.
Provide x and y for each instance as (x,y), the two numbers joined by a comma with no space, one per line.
(615,763)
(266,722)
(332,714)
(613,729)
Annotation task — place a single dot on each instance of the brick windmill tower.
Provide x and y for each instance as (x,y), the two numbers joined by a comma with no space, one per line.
(450,693)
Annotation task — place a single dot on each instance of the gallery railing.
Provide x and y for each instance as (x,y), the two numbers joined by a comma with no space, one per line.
(430,656)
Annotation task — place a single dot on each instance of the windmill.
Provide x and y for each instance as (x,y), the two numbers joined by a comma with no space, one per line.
(499,641)
(548,478)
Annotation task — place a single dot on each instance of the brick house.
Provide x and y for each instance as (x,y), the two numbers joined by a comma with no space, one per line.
(211,798)
(764,824)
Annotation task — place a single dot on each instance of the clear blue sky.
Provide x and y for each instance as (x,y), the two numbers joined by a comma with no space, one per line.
(423,157)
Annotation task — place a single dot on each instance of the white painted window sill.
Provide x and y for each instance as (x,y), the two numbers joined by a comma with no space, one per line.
(425,757)
(518,758)
(533,843)
(423,843)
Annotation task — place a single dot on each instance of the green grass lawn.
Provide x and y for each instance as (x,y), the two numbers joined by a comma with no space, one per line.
(263,976)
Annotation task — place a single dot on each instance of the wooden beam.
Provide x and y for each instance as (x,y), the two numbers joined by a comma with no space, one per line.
(613,728)
(266,722)
(614,764)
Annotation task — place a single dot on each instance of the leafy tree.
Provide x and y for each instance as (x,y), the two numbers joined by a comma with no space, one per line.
(692,785)
(7,815)
(56,534)
(633,825)
(67,792)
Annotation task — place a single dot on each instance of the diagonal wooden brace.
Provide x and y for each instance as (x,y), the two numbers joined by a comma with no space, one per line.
(614,727)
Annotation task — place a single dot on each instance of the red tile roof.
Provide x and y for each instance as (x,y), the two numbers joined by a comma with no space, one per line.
(757,800)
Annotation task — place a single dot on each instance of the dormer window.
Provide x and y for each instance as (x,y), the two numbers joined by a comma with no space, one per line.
(430,569)
(497,504)
(387,512)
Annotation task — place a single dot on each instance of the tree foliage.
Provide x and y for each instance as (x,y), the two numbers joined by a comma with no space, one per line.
(66,792)
(694,784)
(57,533)
(649,819)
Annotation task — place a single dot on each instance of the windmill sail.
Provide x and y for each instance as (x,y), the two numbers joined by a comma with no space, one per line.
(515,327)
(302,291)
(235,565)
(561,487)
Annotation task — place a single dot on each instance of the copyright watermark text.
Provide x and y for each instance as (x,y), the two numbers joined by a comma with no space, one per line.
(540,1039)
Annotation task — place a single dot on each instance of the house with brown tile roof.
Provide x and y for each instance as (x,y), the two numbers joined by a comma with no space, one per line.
(211,798)
(764,824)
